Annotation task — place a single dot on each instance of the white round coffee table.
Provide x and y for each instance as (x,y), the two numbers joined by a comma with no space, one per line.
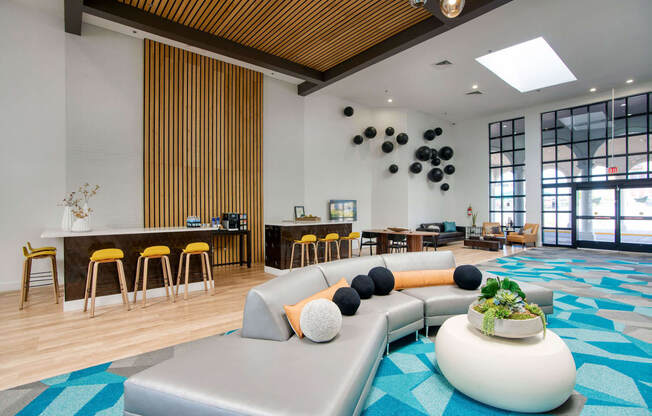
(522,375)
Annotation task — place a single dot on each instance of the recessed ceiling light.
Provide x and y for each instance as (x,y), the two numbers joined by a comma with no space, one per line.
(629,81)
(528,66)
(593,89)
(474,86)
(389,100)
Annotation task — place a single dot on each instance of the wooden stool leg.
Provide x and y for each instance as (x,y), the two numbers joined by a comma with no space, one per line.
(203,270)
(94,284)
(55,279)
(326,251)
(145,266)
(350,250)
(123,284)
(88,284)
(29,278)
(22,285)
(314,247)
(137,278)
(179,273)
(211,279)
(167,265)
(303,254)
(292,256)
(185,295)
(164,270)
(337,247)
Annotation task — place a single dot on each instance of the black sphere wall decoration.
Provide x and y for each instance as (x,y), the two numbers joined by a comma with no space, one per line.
(387,147)
(433,153)
(444,187)
(370,132)
(429,135)
(423,153)
(416,167)
(348,111)
(435,161)
(438,131)
(402,138)
(393,168)
(435,175)
(358,139)
(446,153)
(389,131)
(449,169)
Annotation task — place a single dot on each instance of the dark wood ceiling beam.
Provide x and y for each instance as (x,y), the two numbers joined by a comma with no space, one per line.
(73,16)
(411,36)
(148,22)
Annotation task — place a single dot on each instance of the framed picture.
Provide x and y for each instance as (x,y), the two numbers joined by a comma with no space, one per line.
(343,209)
(299,211)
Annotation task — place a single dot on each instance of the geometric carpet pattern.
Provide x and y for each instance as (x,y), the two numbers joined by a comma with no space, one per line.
(603,311)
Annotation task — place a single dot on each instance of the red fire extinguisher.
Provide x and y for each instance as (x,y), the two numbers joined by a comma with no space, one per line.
(469,211)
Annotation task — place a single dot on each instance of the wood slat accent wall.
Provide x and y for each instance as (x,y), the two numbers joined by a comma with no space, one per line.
(203,142)
(316,33)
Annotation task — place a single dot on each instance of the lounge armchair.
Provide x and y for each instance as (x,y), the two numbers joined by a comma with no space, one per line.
(527,235)
(489,230)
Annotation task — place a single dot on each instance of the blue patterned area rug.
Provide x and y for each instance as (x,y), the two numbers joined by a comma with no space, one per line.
(603,311)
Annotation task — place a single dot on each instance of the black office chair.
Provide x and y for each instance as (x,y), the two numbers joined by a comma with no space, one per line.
(397,243)
(371,242)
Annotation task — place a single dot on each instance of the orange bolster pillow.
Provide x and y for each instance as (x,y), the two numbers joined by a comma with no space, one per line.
(421,278)
(293,312)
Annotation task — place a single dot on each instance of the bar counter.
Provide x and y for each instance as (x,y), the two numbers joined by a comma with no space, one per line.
(280,235)
(78,246)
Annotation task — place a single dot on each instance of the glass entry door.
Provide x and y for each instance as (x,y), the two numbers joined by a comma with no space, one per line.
(616,216)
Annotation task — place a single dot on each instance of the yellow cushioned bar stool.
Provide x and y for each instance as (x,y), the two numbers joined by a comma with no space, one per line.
(329,240)
(35,249)
(108,255)
(305,243)
(353,236)
(154,252)
(27,272)
(200,249)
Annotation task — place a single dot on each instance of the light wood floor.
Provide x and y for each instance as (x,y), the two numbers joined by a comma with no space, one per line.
(43,341)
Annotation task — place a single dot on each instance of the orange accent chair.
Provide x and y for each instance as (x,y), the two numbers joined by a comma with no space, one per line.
(526,236)
(487,229)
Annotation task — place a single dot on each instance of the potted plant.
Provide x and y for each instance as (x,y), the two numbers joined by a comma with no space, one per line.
(502,310)
(80,209)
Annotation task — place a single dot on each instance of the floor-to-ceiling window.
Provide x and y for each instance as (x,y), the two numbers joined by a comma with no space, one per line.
(578,148)
(507,172)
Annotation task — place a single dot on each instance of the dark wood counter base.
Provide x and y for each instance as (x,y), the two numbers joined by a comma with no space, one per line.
(279,239)
(77,251)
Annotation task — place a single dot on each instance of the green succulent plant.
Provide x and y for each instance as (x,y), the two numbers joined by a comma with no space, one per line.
(504,299)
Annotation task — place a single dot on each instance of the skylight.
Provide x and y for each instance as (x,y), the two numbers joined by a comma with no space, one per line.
(528,66)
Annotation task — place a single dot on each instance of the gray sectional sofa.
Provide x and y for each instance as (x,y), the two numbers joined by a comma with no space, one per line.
(264,369)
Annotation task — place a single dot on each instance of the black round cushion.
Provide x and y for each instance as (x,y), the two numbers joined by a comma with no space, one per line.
(467,277)
(363,285)
(383,280)
(347,299)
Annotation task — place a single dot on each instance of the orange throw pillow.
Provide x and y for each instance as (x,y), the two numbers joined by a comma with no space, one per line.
(421,278)
(293,312)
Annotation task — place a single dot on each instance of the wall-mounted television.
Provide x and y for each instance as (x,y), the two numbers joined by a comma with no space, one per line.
(343,209)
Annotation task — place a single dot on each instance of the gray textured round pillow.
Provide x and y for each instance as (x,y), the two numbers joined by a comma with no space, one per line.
(321,320)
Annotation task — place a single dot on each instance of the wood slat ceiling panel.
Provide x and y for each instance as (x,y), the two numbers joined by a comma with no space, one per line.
(316,33)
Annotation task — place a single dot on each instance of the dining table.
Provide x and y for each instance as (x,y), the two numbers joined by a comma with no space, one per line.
(414,239)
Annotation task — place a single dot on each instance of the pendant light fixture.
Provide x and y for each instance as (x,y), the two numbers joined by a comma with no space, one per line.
(451,8)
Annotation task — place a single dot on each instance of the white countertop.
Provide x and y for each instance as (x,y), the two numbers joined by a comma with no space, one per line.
(290,223)
(57,233)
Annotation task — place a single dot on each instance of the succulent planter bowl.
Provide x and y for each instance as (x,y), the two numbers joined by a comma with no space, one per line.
(507,328)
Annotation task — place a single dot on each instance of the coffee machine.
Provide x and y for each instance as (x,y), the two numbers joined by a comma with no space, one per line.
(231,221)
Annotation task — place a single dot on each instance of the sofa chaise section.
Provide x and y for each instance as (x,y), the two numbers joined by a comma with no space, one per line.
(232,375)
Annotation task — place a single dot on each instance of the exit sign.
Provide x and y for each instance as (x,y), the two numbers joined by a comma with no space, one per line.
(613,169)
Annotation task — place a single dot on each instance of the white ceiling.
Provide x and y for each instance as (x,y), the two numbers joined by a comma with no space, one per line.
(603,42)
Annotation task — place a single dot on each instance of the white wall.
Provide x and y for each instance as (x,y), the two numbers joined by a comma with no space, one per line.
(335,168)
(473,155)
(283,147)
(104,123)
(32,116)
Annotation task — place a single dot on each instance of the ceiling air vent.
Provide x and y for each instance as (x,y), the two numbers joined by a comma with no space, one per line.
(476,92)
